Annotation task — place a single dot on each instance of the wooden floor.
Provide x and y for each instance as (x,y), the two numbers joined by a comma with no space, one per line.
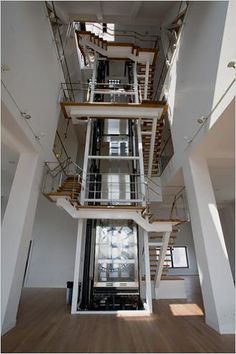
(45,325)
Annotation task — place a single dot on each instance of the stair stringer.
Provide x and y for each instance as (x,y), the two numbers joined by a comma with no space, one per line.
(105,52)
(113,213)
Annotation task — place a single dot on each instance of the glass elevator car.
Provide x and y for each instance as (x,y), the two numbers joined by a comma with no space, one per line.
(116,284)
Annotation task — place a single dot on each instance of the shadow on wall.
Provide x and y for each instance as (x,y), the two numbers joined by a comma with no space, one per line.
(194,77)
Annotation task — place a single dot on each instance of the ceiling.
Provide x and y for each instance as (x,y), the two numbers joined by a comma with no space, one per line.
(118,12)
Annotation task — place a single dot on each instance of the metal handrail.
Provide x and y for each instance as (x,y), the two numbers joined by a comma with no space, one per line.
(128,35)
(52,9)
(59,164)
(178,195)
(68,163)
(62,145)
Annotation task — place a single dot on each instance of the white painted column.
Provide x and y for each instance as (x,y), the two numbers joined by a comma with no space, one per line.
(212,258)
(77,266)
(147,272)
(16,233)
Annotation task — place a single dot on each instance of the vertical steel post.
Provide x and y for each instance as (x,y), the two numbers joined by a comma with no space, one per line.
(146,80)
(77,267)
(85,166)
(136,96)
(147,273)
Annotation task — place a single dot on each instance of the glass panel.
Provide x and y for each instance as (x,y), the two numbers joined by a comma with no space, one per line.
(179,257)
(116,254)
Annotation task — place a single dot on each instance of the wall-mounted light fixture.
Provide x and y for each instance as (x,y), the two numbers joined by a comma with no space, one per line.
(186,138)
(232,64)
(25,115)
(39,136)
(5,67)
(202,120)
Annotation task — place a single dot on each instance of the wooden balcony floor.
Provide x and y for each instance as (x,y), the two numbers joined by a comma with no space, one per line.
(45,325)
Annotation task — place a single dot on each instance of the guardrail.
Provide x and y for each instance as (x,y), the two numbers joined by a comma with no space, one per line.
(99,188)
(55,173)
(81,92)
(59,42)
(179,208)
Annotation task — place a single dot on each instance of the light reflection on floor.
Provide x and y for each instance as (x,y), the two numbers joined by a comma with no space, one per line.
(185,310)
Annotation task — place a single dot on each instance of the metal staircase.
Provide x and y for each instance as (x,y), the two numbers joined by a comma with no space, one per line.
(89,43)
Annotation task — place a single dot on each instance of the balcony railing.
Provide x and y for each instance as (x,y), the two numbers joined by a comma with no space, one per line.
(56,173)
(179,208)
(105,92)
(166,154)
(98,188)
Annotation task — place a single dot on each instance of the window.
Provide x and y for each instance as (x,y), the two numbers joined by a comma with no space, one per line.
(179,257)
(176,257)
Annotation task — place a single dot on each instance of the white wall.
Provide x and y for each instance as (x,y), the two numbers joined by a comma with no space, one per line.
(227,218)
(199,74)
(53,252)
(9,161)
(35,73)
(185,238)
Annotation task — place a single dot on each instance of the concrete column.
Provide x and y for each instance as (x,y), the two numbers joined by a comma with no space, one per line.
(16,233)
(212,258)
